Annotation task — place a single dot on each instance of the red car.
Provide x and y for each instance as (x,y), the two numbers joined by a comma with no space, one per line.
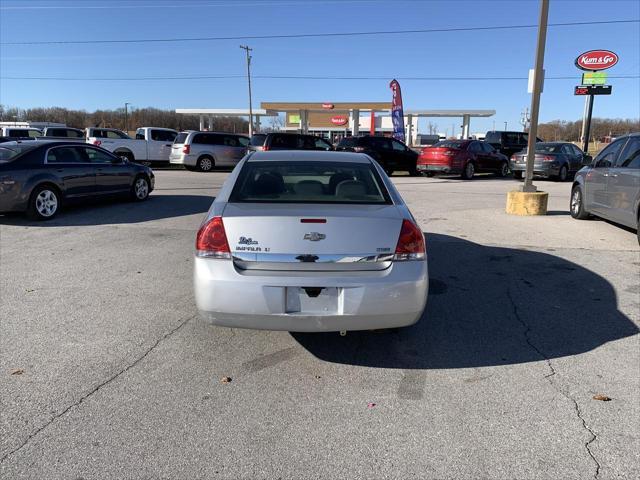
(464,157)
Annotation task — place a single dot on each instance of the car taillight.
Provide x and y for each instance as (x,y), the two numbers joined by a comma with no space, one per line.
(97,142)
(186,149)
(211,240)
(548,158)
(513,158)
(264,148)
(411,244)
(358,149)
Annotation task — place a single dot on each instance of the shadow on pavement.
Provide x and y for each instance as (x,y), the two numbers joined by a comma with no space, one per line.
(489,306)
(119,211)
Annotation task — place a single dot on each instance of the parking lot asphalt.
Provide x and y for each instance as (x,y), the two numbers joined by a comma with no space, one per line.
(107,372)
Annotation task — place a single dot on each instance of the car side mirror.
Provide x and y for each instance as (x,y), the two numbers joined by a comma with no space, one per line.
(119,160)
(587,160)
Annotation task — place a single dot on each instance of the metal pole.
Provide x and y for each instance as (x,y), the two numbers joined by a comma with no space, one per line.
(126,120)
(247,50)
(587,129)
(535,97)
(584,117)
(505,126)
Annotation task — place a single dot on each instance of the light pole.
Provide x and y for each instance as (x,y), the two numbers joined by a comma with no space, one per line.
(247,50)
(505,126)
(535,97)
(126,119)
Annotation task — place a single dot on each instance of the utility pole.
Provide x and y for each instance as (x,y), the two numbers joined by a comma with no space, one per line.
(535,97)
(505,126)
(587,124)
(126,117)
(247,50)
(525,119)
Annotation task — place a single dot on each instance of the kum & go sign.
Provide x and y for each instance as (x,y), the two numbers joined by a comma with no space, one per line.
(594,60)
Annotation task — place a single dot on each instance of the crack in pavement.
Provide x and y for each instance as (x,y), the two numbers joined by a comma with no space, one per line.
(527,330)
(31,436)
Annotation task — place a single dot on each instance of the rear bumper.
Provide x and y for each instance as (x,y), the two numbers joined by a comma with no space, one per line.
(394,297)
(436,168)
(546,169)
(183,159)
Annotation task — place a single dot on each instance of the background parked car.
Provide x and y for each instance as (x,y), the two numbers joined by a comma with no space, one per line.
(464,157)
(39,177)
(22,133)
(508,143)
(287,141)
(558,160)
(152,144)
(610,187)
(390,153)
(203,151)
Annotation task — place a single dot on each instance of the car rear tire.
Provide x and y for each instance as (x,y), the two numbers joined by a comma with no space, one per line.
(469,171)
(563,174)
(504,170)
(576,204)
(44,203)
(140,189)
(205,163)
(518,175)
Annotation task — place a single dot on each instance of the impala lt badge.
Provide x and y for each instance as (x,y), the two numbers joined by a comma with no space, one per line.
(314,236)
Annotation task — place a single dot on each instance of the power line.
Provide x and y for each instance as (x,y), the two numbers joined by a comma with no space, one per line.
(300,77)
(318,35)
(181,5)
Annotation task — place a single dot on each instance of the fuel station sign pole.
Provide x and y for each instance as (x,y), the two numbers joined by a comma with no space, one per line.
(593,83)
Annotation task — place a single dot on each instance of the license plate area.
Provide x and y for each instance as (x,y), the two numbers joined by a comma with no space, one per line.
(299,300)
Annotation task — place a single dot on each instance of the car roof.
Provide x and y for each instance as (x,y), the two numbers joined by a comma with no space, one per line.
(306,155)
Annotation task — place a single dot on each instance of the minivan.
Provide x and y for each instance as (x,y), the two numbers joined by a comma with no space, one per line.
(508,143)
(287,141)
(203,151)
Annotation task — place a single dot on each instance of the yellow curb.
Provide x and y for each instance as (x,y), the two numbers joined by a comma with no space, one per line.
(527,203)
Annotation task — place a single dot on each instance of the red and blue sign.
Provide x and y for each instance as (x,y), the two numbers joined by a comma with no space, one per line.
(397,114)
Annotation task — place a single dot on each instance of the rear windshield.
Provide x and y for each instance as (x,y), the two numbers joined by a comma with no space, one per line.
(8,154)
(449,144)
(309,182)
(348,142)
(257,140)
(181,137)
(493,137)
(548,147)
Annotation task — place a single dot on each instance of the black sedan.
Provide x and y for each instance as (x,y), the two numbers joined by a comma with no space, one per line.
(39,177)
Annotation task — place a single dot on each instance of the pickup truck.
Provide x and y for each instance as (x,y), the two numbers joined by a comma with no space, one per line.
(20,133)
(150,145)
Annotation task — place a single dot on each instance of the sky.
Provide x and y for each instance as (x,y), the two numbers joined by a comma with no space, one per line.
(105,76)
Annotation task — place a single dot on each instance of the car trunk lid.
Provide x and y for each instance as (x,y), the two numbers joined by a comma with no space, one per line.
(324,238)
(437,155)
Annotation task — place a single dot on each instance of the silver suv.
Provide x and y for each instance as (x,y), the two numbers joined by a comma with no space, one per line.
(203,151)
(610,186)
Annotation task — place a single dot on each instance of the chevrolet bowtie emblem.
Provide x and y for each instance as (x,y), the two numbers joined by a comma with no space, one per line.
(314,236)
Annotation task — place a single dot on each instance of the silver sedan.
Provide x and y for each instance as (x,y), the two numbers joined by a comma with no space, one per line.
(310,242)
(610,186)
